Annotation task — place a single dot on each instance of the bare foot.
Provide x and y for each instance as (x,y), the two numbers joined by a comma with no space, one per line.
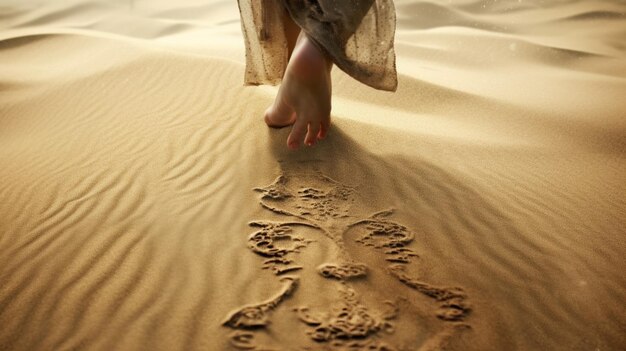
(303,98)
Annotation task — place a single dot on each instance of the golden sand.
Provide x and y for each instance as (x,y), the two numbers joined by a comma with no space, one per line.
(144,205)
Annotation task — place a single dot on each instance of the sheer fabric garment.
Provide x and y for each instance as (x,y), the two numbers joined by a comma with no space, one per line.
(358,35)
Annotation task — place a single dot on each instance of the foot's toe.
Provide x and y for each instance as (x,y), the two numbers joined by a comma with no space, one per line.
(324,125)
(297,132)
(311,136)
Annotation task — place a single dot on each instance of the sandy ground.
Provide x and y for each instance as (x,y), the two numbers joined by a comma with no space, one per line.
(144,205)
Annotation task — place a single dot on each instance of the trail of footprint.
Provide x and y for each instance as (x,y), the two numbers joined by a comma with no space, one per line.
(350,319)
(389,236)
(267,242)
(256,316)
(316,201)
(343,271)
(392,238)
(453,306)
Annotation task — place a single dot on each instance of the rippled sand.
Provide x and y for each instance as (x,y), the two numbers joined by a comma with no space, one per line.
(144,205)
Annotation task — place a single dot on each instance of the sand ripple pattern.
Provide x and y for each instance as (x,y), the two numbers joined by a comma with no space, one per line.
(128,148)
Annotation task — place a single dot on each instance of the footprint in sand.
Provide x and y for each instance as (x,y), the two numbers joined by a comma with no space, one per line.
(316,201)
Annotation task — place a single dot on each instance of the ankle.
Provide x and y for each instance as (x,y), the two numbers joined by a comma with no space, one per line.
(308,59)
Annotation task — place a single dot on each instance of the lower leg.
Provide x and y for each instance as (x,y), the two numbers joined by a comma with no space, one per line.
(292,31)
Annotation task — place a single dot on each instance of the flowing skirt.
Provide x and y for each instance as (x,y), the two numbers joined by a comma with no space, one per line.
(357,35)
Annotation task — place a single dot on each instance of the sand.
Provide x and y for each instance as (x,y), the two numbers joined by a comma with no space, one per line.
(144,205)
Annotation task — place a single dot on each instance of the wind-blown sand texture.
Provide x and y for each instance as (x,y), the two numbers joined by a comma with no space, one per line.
(144,205)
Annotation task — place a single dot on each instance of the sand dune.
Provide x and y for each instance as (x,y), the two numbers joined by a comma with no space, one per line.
(145,205)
